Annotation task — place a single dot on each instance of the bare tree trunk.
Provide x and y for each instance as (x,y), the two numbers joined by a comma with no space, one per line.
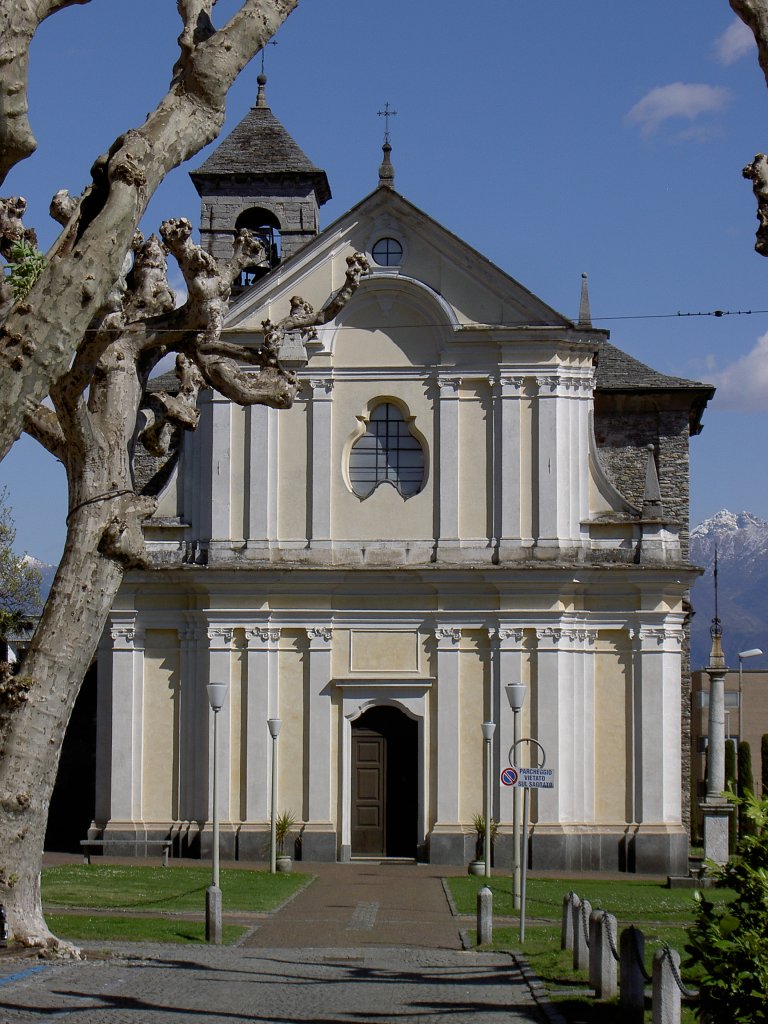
(33,728)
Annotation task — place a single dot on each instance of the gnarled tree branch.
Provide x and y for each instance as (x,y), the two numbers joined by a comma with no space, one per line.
(82,269)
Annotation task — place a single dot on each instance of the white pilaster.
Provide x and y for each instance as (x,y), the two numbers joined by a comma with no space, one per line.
(657,734)
(261,703)
(191,714)
(448,463)
(553,723)
(319,724)
(262,426)
(127,720)
(506,448)
(220,671)
(506,667)
(553,471)
(320,462)
(221,473)
(448,727)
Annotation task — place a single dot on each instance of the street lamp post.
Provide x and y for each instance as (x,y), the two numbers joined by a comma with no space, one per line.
(488,731)
(274,731)
(753,652)
(516,697)
(217,693)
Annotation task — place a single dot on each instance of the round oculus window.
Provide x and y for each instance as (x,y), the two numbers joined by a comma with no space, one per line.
(387,252)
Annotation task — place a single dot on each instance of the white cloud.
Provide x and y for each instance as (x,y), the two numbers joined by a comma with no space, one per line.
(744,384)
(734,43)
(674,101)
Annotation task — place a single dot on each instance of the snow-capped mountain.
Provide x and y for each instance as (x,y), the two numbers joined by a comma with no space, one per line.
(742,558)
(47,572)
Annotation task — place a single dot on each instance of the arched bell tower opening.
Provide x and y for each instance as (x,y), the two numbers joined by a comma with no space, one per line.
(385,784)
(266,227)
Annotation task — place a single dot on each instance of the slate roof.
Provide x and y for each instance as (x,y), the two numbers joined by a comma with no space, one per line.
(618,371)
(260,147)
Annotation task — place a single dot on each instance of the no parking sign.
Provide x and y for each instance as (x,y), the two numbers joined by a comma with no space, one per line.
(509,777)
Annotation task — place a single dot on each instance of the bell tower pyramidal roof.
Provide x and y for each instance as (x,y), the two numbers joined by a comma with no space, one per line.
(259,178)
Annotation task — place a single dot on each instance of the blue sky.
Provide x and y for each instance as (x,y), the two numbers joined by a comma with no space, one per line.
(555,138)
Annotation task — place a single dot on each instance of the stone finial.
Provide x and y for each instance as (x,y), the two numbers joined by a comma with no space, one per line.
(386,170)
(652,507)
(585,315)
(261,99)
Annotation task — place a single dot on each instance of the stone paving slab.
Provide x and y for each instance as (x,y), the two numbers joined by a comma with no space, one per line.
(178,985)
(365,943)
(363,904)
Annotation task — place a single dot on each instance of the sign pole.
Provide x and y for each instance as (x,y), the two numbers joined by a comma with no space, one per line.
(524,862)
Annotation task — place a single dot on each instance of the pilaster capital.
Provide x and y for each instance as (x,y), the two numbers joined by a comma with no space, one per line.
(547,385)
(320,387)
(126,638)
(219,636)
(320,636)
(449,387)
(660,635)
(511,385)
(262,636)
(505,637)
(447,637)
(549,636)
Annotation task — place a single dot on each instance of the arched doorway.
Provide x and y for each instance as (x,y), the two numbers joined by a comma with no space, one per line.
(385,777)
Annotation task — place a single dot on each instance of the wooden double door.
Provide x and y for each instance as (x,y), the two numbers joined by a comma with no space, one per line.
(385,782)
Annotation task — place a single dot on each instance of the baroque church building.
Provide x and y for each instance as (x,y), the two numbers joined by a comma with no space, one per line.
(470,490)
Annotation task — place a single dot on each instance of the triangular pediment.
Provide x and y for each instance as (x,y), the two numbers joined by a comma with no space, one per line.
(466,289)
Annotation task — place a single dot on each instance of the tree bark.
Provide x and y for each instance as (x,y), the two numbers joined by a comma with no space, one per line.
(42,332)
(34,727)
(754,14)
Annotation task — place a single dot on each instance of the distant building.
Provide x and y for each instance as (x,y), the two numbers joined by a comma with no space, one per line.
(471,489)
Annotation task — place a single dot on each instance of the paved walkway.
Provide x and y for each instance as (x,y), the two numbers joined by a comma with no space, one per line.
(366,943)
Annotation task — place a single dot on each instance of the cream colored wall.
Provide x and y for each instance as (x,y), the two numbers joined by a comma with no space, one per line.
(473,712)
(238,480)
(292,472)
(237,698)
(613,667)
(403,335)
(474,456)
(161,732)
(291,770)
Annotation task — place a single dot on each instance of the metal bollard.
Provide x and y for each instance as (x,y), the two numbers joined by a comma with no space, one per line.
(602,964)
(580,940)
(484,916)
(666,994)
(566,928)
(631,975)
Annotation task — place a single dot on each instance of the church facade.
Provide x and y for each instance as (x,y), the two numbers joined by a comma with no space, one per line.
(470,490)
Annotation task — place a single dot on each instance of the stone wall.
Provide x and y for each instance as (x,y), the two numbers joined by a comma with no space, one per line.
(623,437)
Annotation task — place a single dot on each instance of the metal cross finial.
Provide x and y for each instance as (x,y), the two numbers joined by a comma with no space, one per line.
(270,42)
(386,113)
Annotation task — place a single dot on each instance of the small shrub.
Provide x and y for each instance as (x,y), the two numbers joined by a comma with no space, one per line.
(728,945)
(745,783)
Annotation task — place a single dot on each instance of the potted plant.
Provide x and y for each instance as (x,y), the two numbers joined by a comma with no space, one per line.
(477,866)
(283,825)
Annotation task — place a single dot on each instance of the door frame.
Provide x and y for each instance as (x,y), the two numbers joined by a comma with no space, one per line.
(357,698)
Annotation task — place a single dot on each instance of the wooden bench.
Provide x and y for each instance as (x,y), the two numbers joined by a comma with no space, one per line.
(89,845)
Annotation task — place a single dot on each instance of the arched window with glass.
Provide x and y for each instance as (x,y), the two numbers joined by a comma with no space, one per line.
(388,452)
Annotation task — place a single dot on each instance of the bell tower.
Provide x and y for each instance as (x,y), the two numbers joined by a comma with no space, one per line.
(259,178)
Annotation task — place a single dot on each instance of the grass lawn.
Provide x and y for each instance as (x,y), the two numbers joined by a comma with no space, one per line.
(629,901)
(81,928)
(121,887)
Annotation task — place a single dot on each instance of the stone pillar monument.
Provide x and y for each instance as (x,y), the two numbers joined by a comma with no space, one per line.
(716,809)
